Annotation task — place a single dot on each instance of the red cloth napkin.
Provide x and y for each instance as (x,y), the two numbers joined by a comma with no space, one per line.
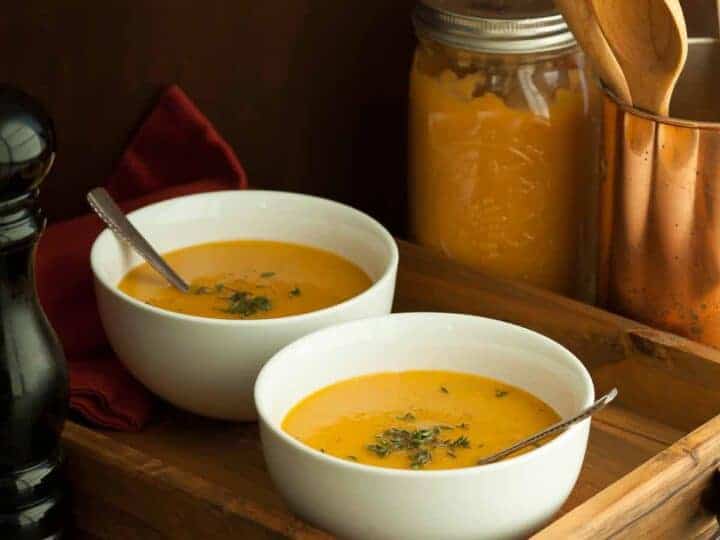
(175,152)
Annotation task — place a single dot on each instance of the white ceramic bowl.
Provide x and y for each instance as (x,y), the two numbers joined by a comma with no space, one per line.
(209,366)
(509,499)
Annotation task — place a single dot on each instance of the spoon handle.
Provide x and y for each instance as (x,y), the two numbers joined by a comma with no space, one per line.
(106,209)
(552,430)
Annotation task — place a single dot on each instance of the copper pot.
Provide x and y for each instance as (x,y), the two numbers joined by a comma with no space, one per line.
(660,206)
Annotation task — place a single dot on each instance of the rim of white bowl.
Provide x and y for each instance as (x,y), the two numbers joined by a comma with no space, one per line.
(383,233)
(534,454)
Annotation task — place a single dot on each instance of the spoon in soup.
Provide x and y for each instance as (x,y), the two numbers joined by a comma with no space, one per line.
(552,430)
(105,207)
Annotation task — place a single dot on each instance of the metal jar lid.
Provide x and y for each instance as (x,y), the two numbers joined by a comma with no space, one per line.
(494,26)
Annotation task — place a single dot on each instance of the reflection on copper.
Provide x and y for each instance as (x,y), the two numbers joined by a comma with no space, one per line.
(662,227)
(606,195)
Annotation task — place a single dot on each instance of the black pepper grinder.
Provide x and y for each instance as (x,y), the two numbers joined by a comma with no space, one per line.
(33,377)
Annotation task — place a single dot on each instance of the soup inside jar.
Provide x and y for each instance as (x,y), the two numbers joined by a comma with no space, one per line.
(503,164)
(425,420)
(249,279)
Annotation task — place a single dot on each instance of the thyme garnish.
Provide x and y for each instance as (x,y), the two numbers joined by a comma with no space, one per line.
(460,442)
(501,393)
(295,292)
(407,417)
(239,302)
(352,458)
(267,274)
(418,444)
(245,304)
(422,457)
(444,390)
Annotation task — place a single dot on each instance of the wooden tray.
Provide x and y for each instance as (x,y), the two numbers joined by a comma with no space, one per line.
(648,473)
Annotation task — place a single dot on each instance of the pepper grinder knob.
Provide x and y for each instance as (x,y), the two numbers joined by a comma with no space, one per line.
(27,145)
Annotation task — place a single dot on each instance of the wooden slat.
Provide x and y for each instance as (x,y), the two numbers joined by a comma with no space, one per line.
(661,499)
(617,446)
(311,94)
(161,498)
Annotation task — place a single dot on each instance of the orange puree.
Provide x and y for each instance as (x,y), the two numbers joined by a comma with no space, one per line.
(417,419)
(501,188)
(249,279)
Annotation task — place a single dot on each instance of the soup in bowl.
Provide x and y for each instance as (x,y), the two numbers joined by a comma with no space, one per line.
(374,428)
(249,279)
(266,268)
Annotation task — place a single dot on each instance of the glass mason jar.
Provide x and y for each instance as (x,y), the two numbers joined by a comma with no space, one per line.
(503,136)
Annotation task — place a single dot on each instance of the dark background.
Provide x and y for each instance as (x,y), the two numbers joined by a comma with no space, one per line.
(310,93)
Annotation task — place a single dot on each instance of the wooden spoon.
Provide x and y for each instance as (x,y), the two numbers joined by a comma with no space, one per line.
(649,39)
(580,18)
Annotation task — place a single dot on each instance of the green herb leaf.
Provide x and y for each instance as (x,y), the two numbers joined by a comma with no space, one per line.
(267,274)
(463,426)
(444,390)
(420,458)
(243,303)
(460,442)
(421,436)
(295,292)
(418,444)
(501,393)
(352,458)
(407,417)
(382,448)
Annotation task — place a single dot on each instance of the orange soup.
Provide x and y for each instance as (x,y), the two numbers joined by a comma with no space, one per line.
(496,185)
(417,419)
(249,279)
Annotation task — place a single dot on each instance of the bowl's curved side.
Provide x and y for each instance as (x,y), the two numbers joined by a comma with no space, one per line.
(209,366)
(366,503)
(508,499)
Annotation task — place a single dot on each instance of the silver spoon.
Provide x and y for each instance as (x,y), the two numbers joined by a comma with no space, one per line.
(552,430)
(104,206)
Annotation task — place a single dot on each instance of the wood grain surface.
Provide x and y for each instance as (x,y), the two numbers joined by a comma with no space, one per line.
(310,93)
